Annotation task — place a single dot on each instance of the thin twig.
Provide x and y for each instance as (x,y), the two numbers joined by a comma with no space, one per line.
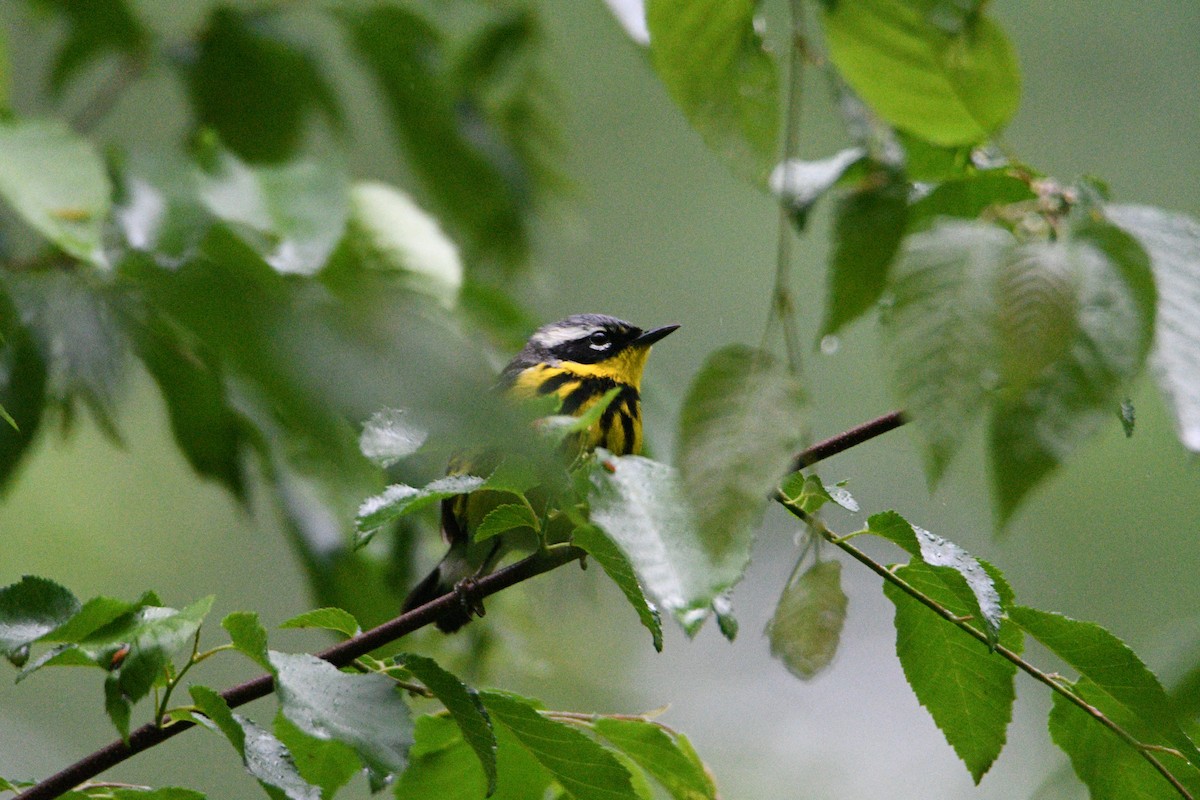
(339,655)
(848,439)
(965,626)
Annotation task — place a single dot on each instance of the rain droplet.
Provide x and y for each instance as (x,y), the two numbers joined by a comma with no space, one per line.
(830,344)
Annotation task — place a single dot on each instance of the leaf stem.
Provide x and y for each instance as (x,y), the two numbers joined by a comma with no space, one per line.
(964,625)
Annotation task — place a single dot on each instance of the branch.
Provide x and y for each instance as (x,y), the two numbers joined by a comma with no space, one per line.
(848,439)
(999,649)
(339,655)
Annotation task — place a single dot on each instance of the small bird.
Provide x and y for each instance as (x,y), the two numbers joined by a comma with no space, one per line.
(578,359)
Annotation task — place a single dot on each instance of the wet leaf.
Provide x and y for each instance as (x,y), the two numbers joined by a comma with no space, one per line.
(248,636)
(332,619)
(400,499)
(614,563)
(807,625)
(31,608)
(667,757)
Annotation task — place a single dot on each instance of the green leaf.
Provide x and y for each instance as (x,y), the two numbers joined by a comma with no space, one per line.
(584,768)
(1033,432)
(810,493)
(1172,242)
(332,619)
(740,428)
(22,388)
(614,563)
(442,765)
(968,197)
(868,226)
(800,184)
(399,499)
(328,765)
(391,233)
(1115,670)
(95,29)
(717,70)
(504,518)
(154,634)
(248,636)
(666,756)
(299,209)
(94,615)
(951,87)
(471,184)
(807,624)
(1108,766)
(968,691)
(162,793)
(5,74)
(256,86)
(364,711)
(265,757)
(938,332)
(464,706)
(638,504)
(31,608)
(57,183)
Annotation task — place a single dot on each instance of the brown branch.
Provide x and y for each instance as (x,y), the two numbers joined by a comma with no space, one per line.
(848,439)
(339,655)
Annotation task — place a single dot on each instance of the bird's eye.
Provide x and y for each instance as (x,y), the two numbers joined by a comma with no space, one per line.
(599,340)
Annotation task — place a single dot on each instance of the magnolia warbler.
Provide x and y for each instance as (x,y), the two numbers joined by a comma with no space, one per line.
(579,360)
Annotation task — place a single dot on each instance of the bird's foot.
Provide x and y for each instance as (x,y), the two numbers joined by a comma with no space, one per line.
(465,591)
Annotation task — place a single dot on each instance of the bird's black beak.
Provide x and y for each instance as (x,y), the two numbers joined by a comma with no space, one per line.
(650,337)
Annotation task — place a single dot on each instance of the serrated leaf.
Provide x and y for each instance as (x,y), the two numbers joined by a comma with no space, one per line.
(810,493)
(1112,667)
(740,428)
(389,436)
(504,518)
(1173,243)
(57,183)
(390,232)
(617,567)
(153,636)
(255,85)
(248,636)
(800,184)
(333,619)
(364,711)
(715,67)
(950,86)
(299,208)
(93,615)
(400,499)
(669,760)
(31,608)
(968,197)
(265,757)
(868,226)
(328,765)
(967,690)
(584,768)
(464,706)
(938,331)
(1032,433)
(638,504)
(807,625)
(1036,313)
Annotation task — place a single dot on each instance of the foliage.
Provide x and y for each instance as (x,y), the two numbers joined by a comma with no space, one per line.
(260,287)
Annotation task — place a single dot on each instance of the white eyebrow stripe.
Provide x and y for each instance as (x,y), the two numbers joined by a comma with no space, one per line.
(554,335)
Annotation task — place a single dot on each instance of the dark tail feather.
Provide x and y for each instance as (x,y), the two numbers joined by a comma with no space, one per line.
(431,587)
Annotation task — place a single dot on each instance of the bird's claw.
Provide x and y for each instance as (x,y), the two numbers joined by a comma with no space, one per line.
(465,591)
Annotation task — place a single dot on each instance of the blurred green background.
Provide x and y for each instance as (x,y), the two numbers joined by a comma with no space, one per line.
(656,231)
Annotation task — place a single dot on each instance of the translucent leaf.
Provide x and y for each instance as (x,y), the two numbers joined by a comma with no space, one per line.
(389,436)
(300,208)
(332,619)
(95,29)
(950,86)
(712,61)
(248,636)
(967,690)
(617,567)
(740,428)
(1036,312)
(1108,766)
(1173,243)
(868,226)
(638,504)
(57,183)
(255,85)
(669,759)
(800,184)
(810,493)
(585,769)
(807,625)
(31,608)
(1112,667)
(265,757)
(328,765)
(465,707)
(400,499)
(504,518)
(364,711)
(938,331)
(389,231)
